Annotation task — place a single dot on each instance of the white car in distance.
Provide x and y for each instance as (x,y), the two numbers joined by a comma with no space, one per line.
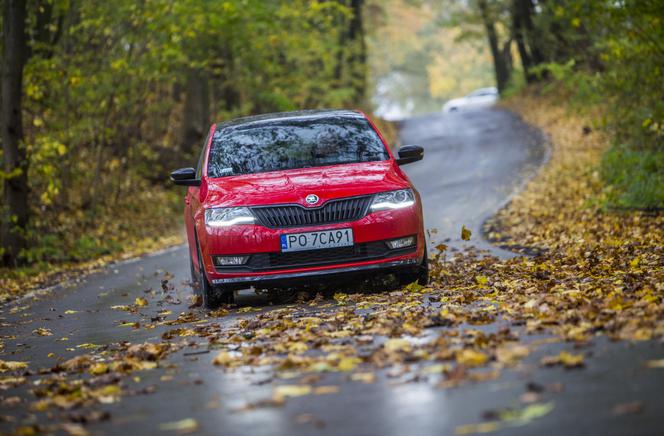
(482,97)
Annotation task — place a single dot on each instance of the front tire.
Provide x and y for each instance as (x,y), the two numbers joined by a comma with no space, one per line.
(419,275)
(212,296)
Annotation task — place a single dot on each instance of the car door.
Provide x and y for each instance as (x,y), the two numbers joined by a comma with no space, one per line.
(485,98)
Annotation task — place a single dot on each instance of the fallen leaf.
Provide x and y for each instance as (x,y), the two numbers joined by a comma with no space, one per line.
(479,428)
(465,233)
(42,331)
(287,391)
(183,426)
(11,381)
(348,363)
(98,369)
(323,390)
(659,363)
(364,377)
(6,365)
(568,360)
(224,358)
(632,408)
(121,307)
(397,344)
(88,346)
(471,358)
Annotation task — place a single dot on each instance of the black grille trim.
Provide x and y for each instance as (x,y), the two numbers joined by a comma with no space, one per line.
(294,215)
(326,256)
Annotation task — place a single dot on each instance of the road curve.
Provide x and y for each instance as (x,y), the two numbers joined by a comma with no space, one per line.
(473,162)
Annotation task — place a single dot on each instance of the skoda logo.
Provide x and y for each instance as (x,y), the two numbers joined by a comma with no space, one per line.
(311,199)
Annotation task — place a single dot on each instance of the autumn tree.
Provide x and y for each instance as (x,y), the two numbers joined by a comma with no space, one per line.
(15,174)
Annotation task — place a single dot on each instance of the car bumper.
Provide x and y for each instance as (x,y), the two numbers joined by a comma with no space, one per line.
(281,278)
(257,240)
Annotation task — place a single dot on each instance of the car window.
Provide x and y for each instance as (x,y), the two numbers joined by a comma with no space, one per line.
(293,143)
(201,159)
(482,93)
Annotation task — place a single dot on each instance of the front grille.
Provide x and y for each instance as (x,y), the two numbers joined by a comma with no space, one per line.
(325,256)
(294,215)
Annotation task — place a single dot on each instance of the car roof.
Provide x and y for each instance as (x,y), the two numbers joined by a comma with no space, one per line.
(290,116)
(492,89)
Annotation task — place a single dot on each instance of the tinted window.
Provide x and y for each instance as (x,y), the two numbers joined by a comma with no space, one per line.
(201,159)
(293,143)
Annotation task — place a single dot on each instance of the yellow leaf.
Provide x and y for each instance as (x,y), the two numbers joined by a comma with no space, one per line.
(13,381)
(6,365)
(98,369)
(568,360)
(482,427)
(469,357)
(286,391)
(659,363)
(397,344)
(465,233)
(297,347)
(121,307)
(224,358)
(140,302)
(42,331)
(88,346)
(348,363)
(324,390)
(188,425)
(481,280)
(511,354)
(364,377)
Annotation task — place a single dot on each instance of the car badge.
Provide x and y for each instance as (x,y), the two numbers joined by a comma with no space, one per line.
(311,199)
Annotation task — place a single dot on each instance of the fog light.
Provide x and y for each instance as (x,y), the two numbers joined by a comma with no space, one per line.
(401,242)
(229,260)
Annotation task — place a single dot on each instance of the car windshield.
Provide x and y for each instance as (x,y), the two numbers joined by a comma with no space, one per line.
(284,144)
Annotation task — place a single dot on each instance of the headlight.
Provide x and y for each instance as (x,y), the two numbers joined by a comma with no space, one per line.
(393,200)
(228,216)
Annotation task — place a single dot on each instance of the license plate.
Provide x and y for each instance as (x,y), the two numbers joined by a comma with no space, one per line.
(317,240)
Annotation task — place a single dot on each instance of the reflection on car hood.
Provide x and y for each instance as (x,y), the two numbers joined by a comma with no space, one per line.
(292,186)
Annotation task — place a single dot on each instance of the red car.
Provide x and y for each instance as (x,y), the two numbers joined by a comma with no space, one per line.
(287,199)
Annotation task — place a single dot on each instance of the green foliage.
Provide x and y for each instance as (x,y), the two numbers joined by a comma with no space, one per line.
(620,56)
(109,90)
(635,178)
(604,54)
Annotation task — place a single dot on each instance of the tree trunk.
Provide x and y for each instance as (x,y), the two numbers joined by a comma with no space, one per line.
(499,62)
(526,12)
(341,49)
(196,109)
(15,213)
(358,61)
(517,32)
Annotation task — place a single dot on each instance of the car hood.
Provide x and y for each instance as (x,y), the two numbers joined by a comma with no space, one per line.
(292,186)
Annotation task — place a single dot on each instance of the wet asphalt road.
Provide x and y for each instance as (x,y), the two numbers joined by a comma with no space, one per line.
(473,162)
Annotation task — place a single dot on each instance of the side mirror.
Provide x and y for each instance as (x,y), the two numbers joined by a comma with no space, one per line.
(409,154)
(185,177)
